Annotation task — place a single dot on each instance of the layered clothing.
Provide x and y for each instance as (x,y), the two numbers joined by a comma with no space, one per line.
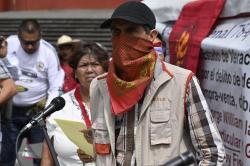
(171,118)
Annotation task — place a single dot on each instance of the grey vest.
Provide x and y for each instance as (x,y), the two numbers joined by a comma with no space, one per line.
(160,134)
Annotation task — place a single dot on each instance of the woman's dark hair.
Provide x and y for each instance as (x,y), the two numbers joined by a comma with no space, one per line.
(99,52)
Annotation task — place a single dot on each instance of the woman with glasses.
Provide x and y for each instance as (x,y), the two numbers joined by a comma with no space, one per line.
(90,61)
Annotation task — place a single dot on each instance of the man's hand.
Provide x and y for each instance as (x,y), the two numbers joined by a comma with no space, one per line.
(84,157)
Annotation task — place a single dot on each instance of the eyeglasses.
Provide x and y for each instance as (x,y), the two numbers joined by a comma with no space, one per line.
(25,42)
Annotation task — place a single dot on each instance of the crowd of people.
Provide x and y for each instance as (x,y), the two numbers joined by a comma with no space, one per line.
(138,109)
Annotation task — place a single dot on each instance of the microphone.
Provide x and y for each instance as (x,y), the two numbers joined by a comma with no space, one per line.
(55,105)
(185,158)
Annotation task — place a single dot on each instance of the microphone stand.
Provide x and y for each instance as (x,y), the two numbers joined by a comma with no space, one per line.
(42,124)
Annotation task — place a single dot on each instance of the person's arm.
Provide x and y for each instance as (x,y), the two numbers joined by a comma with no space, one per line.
(7,85)
(55,78)
(8,89)
(46,156)
(203,130)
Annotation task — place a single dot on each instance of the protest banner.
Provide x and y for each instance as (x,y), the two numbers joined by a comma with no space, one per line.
(225,80)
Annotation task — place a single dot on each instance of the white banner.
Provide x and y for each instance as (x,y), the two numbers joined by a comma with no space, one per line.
(225,80)
(166,10)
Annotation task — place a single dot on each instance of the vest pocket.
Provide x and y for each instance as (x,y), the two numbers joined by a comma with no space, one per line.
(160,127)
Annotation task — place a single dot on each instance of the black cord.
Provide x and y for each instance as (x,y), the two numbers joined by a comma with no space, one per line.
(17,147)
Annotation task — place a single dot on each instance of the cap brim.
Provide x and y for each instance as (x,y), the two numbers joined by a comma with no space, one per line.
(107,23)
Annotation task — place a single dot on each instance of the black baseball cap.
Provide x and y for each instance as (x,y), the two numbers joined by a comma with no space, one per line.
(132,11)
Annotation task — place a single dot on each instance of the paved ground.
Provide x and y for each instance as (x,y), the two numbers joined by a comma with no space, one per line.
(26,153)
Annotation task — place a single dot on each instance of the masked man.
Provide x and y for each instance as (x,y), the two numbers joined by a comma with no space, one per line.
(147,112)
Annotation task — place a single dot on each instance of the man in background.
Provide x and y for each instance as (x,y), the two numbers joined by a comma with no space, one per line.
(39,78)
(66,47)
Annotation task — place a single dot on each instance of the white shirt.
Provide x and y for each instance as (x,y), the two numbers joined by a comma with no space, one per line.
(65,149)
(36,75)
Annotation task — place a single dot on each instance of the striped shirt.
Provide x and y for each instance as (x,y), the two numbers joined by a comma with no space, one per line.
(4,73)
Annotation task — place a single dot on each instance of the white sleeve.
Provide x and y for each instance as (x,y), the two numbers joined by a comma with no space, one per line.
(55,77)
(51,126)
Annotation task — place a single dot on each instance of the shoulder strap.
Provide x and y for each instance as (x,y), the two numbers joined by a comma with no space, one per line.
(187,88)
(130,137)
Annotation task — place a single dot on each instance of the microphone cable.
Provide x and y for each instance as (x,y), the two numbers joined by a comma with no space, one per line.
(18,144)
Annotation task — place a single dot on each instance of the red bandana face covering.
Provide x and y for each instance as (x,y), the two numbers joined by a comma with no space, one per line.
(130,71)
